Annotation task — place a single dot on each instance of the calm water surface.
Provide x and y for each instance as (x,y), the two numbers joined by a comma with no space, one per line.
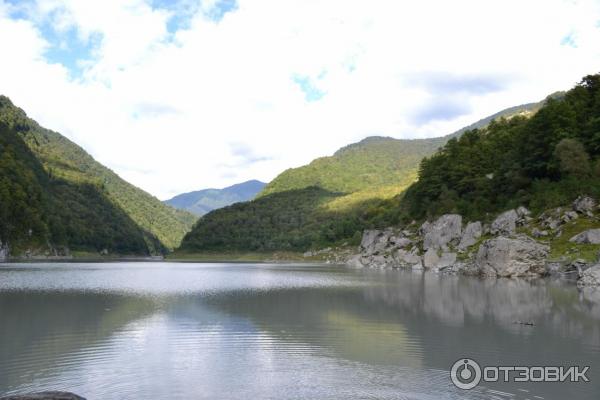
(256,331)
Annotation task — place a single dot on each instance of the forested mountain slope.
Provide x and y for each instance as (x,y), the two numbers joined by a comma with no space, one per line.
(543,161)
(331,200)
(376,161)
(48,215)
(64,161)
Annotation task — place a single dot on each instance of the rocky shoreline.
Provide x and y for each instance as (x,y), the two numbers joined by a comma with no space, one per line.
(514,244)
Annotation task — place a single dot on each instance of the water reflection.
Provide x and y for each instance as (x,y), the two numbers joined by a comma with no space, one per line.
(179,331)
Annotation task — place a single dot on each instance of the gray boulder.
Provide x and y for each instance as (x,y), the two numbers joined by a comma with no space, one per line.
(444,230)
(584,204)
(510,257)
(566,269)
(522,212)
(446,260)
(430,258)
(505,223)
(378,248)
(537,233)
(435,262)
(355,261)
(371,241)
(378,261)
(426,227)
(591,236)
(399,242)
(590,277)
(3,252)
(464,268)
(376,241)
(470,235)
(44,396)
(569,216)
(405,258)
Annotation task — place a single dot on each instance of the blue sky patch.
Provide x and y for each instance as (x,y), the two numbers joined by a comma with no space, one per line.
(221,8)
(184,10)
(181,13)
(311,92)
(569,40)
(64,47)
(68,49)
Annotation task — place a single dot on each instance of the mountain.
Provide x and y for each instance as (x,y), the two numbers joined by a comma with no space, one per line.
(376,161)
(373,162)
(331,200)
(83,200)
(541,162)
(203,201)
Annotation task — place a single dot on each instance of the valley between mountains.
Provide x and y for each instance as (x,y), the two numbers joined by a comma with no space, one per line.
(58,202)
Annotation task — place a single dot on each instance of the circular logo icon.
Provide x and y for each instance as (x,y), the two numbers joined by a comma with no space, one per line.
(465,374)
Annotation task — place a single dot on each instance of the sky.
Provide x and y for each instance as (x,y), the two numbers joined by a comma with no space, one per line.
(182,95)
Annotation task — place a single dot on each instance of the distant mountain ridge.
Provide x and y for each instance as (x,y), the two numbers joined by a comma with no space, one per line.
(203,201)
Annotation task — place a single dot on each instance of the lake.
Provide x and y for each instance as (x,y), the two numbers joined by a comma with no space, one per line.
(288,331)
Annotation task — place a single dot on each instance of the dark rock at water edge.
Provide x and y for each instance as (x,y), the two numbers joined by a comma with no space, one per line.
(44,396)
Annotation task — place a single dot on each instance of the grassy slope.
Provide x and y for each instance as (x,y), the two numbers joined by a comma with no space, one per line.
(66,160)
(371,163)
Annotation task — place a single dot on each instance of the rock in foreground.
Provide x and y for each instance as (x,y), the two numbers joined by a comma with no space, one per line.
(44,396)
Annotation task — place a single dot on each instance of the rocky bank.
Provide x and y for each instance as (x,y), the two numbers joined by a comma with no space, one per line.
(514,244)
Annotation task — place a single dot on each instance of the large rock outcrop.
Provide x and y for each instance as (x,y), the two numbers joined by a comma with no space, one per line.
(591,236)
(385,248)
(445,230)
(511,257)
(437,245)
(375,241)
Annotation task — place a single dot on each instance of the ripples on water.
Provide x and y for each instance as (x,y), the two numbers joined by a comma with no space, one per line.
(251,331)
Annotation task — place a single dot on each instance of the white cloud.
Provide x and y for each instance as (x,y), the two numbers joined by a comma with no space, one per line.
(218,101)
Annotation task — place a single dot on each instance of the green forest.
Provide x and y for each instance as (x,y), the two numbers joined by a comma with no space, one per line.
(543,161)
(44,212)
(54,194)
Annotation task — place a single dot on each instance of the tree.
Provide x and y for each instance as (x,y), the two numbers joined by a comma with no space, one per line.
(572,157)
